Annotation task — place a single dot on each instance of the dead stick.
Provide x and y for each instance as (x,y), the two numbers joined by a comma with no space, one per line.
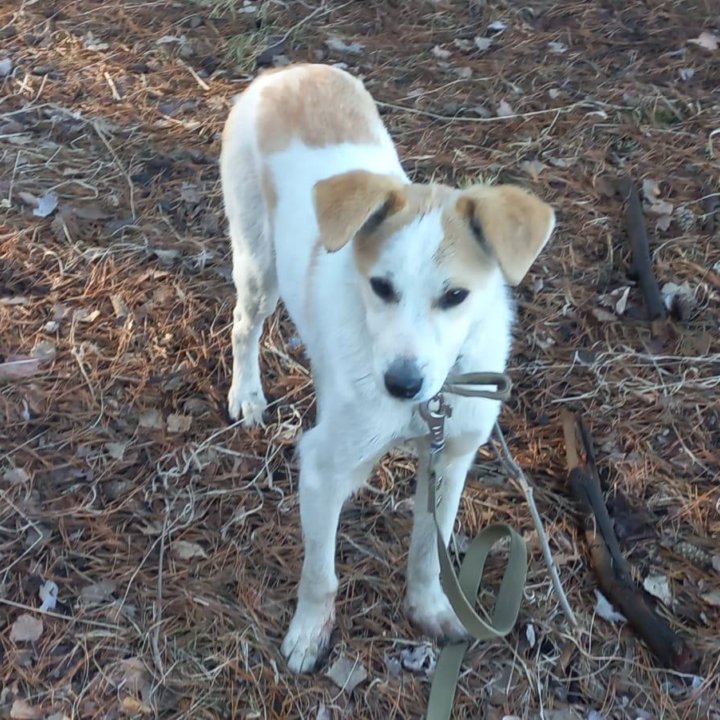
(519,475)
(641,262)
(611,569)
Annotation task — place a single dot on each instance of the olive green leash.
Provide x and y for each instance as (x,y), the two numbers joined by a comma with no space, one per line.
(461,590)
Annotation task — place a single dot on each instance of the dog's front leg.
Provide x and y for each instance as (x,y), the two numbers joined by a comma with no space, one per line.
(425,601)
(327,478)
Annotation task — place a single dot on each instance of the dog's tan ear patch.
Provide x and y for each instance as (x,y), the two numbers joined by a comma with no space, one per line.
(513,224)
(354,202)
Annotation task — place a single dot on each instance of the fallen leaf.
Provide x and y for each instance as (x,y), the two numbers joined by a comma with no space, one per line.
(602,315)
(482,43)
(530,634)
(712,598)
(85,315)
(93,44)
(15,476)
(184,550)
(707,40)
(119,306)
(393,665)
(46,205)
(115,450)
(659,207)
(339,45)
(606,186)
(650,189)
(686,73)
(178,423)
(606,611)
(557,47)
(659,587)
(43,350)
(663,223)
(504,109)
(48,595)
(678,299)
(617,299)
(151,419)
(419,659)
(21,710)
(168,39)
(347,674)
(716,563)
(27,628)
(19,367)
(595,715)
(15,300)
(98,592)
(532,167)
(323,713)
(6,67)
(497,26)
(441,53)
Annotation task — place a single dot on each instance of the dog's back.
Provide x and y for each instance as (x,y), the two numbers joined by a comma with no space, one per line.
(289,129)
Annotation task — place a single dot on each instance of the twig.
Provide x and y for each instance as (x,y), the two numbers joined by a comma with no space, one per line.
(155,641)
(495,118)
(516,471)
(641,262)
(611,568)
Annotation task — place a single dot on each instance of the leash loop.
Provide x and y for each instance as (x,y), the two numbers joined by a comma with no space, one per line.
(461,590)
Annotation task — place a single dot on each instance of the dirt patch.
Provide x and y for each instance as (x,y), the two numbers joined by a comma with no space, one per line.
(173,539)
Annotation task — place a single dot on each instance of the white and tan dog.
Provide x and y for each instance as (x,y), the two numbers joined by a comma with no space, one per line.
(391,284)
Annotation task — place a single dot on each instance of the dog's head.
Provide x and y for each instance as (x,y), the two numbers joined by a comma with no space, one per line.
(430,261)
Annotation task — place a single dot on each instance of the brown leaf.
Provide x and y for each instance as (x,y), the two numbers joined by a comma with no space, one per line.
(712,598)
(504,109)
(98,592)
(27,628)
(22,710)
(15,476)
(178,423)
(347,674)
(151,419)
(20,366)
(184,550)
(707,40)
(119,306)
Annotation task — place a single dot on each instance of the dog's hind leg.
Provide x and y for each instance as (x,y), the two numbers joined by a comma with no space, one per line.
(254,276)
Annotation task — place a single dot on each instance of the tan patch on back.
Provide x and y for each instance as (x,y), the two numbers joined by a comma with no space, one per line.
(317,104)
(419,200)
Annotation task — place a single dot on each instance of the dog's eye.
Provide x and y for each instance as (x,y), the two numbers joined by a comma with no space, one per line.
(383,289)
(452,297)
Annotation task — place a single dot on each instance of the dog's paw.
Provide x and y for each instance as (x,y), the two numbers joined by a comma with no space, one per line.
(307,641)
(250,406)
(430,610)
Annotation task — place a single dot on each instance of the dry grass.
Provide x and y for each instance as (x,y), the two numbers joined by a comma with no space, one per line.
(127,287)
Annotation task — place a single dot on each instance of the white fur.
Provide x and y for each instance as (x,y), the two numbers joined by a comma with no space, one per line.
(351,337)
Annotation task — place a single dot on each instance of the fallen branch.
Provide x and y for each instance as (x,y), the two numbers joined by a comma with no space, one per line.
(516,472)
(611,568)
(641,262)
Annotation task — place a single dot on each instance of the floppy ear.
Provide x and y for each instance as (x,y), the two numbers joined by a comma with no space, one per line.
(510,223)
(354,202)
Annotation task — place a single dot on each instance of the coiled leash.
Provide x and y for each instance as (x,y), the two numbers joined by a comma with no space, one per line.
(461,590)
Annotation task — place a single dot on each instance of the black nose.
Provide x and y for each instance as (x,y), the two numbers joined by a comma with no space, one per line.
(403,379)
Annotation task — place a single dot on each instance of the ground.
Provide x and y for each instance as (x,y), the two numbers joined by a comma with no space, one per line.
(172,536)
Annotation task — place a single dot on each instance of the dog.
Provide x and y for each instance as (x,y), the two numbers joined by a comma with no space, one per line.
(392,285)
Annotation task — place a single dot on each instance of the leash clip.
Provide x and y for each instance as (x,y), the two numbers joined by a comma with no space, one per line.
(434,412)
